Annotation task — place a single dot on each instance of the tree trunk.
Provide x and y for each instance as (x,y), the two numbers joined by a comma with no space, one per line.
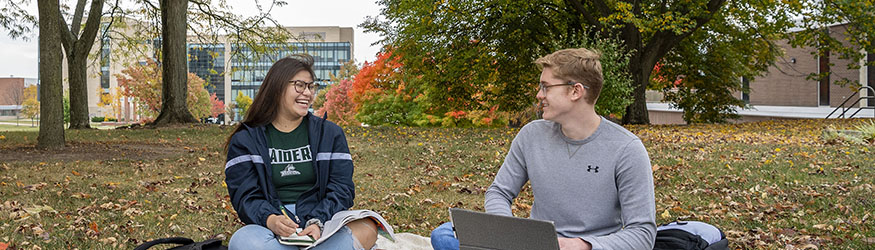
(174,69)
(77,70)
(51,127)
(77,47)
(636,113)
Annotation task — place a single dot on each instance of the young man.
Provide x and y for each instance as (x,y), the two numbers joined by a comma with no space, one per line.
(590,176)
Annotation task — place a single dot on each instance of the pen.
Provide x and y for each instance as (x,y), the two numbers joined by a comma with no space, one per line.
(287,215)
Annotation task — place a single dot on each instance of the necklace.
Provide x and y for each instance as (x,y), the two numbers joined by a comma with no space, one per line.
(568,148)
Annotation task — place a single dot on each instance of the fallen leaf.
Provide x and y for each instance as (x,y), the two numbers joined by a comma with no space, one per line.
(36,210)
(809,246)
(665,215)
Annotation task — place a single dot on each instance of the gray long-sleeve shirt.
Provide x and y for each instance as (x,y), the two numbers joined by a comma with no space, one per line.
(599,189)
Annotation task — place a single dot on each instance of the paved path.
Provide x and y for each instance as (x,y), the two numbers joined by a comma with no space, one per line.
(779,111)
(22,123)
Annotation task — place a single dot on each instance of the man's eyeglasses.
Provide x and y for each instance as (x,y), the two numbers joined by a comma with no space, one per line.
(544,88)
(301,85)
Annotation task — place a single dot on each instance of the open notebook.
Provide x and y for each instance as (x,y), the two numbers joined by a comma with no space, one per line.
(295,240)
(338,221)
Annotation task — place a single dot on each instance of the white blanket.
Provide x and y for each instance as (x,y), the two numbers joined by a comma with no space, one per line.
(404,241)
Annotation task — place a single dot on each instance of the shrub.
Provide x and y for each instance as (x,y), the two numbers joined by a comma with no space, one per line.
(867,130)
(832,135)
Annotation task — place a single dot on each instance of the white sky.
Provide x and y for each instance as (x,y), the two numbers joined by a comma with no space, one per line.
(19,58)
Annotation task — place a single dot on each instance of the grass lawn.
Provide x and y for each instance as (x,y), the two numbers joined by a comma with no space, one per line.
(21,127)
(767,185)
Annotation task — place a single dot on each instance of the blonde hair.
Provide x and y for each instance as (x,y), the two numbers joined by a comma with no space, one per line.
(578,65)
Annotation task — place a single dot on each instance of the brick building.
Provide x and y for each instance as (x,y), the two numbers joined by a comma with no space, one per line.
(12,94)
(783,92)
(785,83)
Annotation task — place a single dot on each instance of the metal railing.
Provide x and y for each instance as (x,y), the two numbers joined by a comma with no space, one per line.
(869,104)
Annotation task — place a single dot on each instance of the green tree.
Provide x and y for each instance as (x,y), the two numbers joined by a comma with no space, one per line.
(472,36)
(846,43)
(30,106)
(242,103)
(701,75)
(67,109)
(15,19)
(347,71)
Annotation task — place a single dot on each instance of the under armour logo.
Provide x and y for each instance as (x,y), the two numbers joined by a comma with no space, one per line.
(592,169)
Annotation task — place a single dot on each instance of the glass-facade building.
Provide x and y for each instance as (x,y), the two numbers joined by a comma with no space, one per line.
(207,61)
(247,71)
(105,58)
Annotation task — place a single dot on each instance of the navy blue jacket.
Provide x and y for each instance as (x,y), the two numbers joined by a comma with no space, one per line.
(248,175)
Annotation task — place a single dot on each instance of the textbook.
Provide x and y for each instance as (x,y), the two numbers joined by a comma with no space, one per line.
(295,240)
(339,220)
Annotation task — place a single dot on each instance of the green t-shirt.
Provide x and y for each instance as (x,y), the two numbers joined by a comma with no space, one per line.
(292,162)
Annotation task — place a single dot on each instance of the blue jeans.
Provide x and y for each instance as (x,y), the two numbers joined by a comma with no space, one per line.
(253,236)
(443,238)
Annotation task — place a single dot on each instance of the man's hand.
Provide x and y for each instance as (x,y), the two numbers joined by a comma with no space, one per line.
(312,230)
(281,225)
(573,244)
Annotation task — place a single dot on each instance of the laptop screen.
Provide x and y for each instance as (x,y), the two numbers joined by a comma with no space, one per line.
(476,230)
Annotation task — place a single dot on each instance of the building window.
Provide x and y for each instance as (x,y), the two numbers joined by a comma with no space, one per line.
(249,71)
(105,57)
(823,70)
(207,61)
(745,90)
(312,36)
(870,75)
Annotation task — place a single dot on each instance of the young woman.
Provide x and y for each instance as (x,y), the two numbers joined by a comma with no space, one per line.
(287,168)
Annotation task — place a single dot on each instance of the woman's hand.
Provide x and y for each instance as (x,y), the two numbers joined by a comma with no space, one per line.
(281,225)
(312,230)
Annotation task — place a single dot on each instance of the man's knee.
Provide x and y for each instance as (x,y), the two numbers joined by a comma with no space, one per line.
(442,237)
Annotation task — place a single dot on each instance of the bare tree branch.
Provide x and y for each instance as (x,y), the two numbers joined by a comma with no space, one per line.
(77,18)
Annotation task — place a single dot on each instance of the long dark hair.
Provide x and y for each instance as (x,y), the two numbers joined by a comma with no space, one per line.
(268,99)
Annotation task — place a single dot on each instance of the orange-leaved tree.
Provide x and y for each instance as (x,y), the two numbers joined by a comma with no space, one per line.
(143,83)
(384,96)
(376,77)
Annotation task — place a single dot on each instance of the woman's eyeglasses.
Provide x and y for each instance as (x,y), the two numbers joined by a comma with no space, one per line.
(301,85)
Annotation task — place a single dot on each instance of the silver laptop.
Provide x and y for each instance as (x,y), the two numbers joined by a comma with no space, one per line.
(476,230)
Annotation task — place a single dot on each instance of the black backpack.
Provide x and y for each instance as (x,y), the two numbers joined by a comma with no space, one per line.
(690,235)
(187,244)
